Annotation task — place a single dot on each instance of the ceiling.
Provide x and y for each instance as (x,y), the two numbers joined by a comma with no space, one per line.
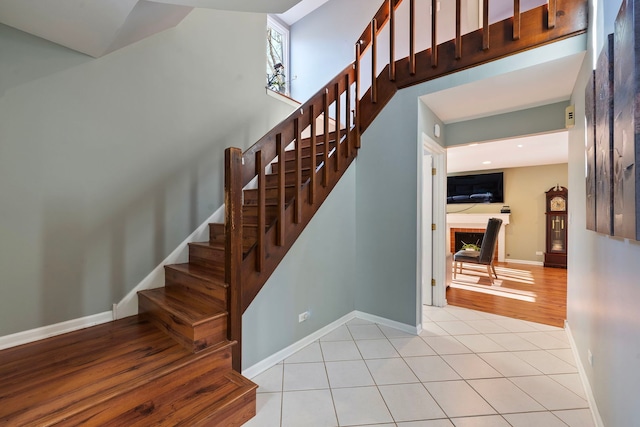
(530,87)
(97,28)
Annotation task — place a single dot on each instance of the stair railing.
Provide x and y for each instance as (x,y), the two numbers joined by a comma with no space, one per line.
(353,106)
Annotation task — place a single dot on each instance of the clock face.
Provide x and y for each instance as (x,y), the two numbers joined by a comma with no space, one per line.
(558,204)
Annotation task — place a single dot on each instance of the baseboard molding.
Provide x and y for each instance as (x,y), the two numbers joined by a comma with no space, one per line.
(49,331)
(597,419)
(524,261)
(279,356)
(128,306)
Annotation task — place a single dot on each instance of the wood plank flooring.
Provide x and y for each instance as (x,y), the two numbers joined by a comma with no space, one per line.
(522,291)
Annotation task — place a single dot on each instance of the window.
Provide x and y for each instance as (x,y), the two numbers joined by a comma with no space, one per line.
(277,56)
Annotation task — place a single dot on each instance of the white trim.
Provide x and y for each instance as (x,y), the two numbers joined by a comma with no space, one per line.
(439,263)
(524,261)
(128,306)
(48,331)
(280,97)
(597,419)
(279,356)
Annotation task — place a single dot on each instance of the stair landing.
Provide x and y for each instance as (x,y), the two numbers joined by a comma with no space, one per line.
(126,372)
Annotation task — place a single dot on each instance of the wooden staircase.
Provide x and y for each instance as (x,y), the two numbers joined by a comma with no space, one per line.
(178,361)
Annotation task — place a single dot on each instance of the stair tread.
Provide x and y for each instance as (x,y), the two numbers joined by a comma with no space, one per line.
(198,271)
(210,245)
(81,368)
(184,305)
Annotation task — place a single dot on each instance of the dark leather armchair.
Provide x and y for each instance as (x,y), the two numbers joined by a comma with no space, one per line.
(485,255)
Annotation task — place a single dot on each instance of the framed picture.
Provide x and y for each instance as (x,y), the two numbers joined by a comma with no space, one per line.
(604,139)
(626,120)
(590,112)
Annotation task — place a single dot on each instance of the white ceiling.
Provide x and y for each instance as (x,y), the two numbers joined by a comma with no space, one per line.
(97,28)
(534,86)
(546,149)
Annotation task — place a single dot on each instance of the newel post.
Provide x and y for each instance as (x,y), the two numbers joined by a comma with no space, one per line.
(233,249)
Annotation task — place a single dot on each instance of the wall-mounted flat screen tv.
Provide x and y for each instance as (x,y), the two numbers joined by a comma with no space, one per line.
(476,188)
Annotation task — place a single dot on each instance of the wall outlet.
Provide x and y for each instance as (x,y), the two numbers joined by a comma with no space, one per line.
(538,252)
(303,316)
(590,357)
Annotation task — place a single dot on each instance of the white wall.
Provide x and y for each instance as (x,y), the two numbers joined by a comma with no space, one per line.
(603,285)
(107,164)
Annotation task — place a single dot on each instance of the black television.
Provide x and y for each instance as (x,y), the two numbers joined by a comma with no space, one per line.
(476,188)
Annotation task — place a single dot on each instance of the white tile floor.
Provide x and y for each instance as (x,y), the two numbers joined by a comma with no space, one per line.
(466,369)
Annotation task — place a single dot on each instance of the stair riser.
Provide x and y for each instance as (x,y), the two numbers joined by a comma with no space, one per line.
(193,337)
(216,232)
(271,180)
(271,195)
(238,413)
(306,152)
(204,255)
(168,400)
(290,165)
(196,285)
(250,214)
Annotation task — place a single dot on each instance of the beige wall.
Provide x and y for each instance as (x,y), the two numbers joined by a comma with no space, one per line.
(524,190)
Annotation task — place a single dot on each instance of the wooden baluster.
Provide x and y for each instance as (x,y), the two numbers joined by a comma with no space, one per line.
(325,176)
(516,19)
(485,24)
(280,232)
(298,162)
(412,37)
(458,29)
(260,247)
(312,151)
(336,90)
(552,7)
(233,248)
(392,41)
(374,60)
(347,115)
(434,36)
(357,89)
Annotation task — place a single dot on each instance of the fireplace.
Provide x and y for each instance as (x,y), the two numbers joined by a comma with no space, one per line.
(465,237)
(475,223)
(468,235)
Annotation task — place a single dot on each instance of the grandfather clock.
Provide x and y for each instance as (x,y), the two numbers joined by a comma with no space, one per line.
(556,223)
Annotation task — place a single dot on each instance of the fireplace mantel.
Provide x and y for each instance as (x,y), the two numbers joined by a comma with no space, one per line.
(478,221)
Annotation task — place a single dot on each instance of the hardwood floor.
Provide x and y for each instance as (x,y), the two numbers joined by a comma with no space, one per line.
(522,291)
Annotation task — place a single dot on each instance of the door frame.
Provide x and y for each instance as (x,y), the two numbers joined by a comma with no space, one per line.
(438,199)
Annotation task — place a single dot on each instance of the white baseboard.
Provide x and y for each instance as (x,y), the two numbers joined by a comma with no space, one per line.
(524,261)
(279,356)
(597,419)
(48,331)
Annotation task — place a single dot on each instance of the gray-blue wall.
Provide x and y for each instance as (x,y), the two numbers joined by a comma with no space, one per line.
(106,165)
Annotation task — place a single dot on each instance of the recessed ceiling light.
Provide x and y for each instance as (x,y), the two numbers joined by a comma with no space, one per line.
(520,145)
(486,162)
